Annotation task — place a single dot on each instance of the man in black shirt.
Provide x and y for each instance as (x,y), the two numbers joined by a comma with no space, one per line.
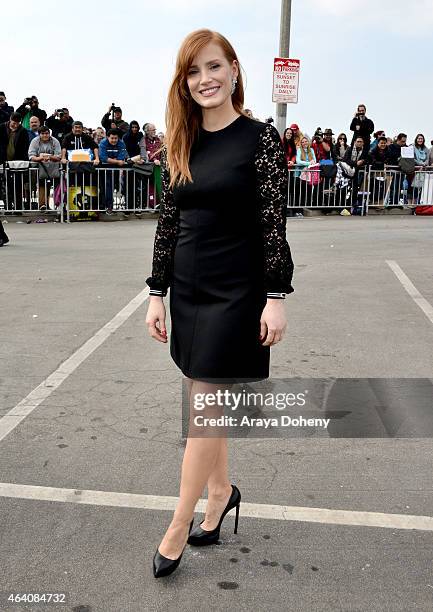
(82,185)
(78,140)
(379,157)
(362,126)
(395,149)
(380,184)
(60,123)
(113,120)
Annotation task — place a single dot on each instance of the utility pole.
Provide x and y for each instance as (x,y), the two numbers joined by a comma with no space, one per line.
(286,14)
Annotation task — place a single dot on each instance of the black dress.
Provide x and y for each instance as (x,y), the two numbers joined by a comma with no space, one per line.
(221,246)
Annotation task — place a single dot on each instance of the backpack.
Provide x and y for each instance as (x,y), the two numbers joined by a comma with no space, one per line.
(327,168)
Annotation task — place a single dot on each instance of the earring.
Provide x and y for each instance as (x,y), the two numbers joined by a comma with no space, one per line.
(234,81)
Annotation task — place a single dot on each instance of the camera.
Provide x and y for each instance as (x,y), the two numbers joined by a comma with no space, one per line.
(60,112)
(269,120)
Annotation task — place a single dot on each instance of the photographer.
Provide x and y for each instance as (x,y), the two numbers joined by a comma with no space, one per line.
(30,108)
(323,145)
(362,126)
(60,123)
(113,121)
(45,149)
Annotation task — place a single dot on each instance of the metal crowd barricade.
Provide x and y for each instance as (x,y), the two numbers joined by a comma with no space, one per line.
(387,188)
(391,187)
(368,188)
(93,189)
(308,188)
(22,189)
(422,187)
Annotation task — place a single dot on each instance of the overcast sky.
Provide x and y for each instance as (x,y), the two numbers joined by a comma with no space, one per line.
(87,54)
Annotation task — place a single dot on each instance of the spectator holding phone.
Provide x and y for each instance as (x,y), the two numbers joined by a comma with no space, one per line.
(362,126)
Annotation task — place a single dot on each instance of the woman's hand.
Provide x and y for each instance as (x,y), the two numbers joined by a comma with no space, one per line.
(155,318)
(273,322)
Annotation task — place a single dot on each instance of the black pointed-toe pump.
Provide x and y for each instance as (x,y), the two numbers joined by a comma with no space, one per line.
(201,537)
(163,566)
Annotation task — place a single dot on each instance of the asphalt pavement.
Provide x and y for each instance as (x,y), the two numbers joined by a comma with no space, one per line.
(90,430)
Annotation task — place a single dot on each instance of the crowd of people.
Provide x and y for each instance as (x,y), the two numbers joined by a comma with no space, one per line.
(29,133)
(340,164)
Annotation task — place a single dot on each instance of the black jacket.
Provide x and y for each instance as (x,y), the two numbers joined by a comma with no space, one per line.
(21,143)
(394,152)
(121,125)
(348,158)
(132,142)
(378,159)
(366,129)
(71,142)
(59,128)
(34,112)
(5,112)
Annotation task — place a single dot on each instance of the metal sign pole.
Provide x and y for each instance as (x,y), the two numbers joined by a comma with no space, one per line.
(286,14)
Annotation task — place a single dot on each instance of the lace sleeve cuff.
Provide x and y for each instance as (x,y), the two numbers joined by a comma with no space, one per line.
(165,237)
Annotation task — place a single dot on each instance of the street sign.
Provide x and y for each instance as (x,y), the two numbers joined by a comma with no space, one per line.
(286,80)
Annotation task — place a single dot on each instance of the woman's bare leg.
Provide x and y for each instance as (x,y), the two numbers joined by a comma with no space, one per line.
(218,484)
(199,461)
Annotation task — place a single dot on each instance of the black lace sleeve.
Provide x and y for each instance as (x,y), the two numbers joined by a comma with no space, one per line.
(272,186)
(165,237)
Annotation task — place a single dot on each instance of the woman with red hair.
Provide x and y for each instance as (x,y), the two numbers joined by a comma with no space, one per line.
(221,247)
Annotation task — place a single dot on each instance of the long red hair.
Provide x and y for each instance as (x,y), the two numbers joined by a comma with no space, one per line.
(183,115)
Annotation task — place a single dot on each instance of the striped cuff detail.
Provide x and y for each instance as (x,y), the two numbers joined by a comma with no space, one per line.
(273,294)
(157,292)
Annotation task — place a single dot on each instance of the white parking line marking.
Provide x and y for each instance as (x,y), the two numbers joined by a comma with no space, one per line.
(262,511)
(13,417)
(425,306)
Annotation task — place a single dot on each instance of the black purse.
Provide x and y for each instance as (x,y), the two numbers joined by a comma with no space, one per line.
(145,169)
(81,166)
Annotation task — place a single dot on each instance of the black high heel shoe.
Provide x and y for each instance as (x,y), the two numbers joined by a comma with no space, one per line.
(162,566)
(201,537)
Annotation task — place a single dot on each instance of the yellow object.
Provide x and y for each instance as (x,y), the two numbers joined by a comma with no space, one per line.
(77,156)
(345,212)
(78,203)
